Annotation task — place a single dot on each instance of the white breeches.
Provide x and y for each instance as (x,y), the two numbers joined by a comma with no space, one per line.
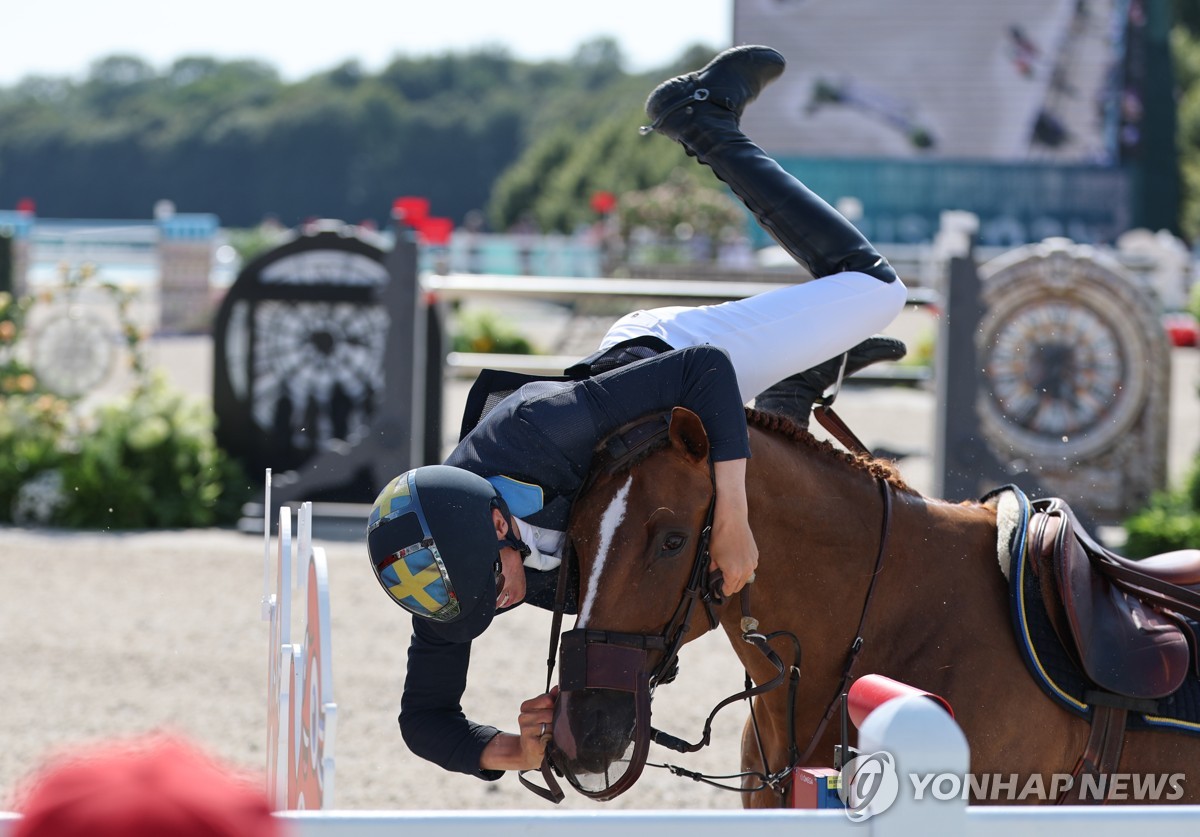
(778,333)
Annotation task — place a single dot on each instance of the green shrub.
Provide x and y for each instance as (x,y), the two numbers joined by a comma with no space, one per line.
(33,430)
(1191,488)
(1170,521)
(149,461)
(482,330)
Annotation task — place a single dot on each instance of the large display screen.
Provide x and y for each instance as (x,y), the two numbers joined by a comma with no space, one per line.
(1011,81)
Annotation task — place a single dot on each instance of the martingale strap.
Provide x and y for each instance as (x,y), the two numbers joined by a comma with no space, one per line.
(777,780)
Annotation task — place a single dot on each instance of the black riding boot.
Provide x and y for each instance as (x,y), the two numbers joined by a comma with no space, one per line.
(701,111)
(795,395)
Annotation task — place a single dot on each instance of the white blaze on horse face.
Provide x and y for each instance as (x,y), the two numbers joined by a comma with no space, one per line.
(609,521)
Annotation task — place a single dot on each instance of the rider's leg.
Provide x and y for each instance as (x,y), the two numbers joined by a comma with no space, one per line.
(795,395)
(702,110)
(773,335)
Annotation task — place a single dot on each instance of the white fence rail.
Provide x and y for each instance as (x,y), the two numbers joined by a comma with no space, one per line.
(638,292)
(976,822)
(568,289)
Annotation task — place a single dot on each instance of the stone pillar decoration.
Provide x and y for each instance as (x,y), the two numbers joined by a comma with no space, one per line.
(1074,376)
(186,246)
(1162,260)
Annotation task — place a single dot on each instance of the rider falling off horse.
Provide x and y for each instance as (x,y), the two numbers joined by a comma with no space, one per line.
(455,544)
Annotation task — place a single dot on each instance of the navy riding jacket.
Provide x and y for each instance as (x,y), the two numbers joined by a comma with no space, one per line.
(544,435)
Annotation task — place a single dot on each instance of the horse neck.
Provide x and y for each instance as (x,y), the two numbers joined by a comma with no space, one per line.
(938,619)
(810,503)
(818,520)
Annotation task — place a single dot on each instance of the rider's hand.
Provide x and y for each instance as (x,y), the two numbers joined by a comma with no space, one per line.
(733,548)
(537,727)
(525,750)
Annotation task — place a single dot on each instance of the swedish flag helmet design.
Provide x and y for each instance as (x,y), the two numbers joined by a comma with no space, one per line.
(433,548)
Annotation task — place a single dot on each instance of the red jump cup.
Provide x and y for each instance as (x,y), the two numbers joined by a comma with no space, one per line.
(871,691)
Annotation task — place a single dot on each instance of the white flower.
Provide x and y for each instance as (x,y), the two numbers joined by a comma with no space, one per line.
(39,499)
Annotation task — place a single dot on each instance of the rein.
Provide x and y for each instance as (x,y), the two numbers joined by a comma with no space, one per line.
(706,588)
(775,780)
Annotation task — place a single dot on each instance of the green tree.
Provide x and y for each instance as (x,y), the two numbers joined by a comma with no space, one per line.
(554,183)
(230,137)
(1185,48)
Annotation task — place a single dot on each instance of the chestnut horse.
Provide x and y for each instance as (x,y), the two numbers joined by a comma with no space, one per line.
(938,616)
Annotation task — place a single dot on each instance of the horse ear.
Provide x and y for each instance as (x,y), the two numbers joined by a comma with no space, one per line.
(687,434)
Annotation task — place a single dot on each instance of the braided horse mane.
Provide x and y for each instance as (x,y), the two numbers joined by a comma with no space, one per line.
(779,425)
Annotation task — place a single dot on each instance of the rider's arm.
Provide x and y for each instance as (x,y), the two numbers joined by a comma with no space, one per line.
(431,718)
(733,547)
(504,753)
(702,379)
(546,432)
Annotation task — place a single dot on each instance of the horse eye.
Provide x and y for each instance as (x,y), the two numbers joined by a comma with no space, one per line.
(672,543)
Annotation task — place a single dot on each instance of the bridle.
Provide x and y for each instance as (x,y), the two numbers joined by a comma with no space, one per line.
(618,661)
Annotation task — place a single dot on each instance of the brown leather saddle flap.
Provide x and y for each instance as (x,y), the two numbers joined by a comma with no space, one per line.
(1124,645)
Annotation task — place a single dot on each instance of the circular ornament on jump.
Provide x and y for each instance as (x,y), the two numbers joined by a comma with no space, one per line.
(1074,373)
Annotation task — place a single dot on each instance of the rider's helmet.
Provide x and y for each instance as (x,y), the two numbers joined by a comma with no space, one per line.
(434,547)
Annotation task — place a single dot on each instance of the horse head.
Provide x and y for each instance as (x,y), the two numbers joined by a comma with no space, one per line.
(639,533)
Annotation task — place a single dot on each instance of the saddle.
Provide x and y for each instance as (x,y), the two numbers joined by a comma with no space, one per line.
(1126,623)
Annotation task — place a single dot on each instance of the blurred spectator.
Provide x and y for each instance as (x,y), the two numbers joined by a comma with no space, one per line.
(149,786)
